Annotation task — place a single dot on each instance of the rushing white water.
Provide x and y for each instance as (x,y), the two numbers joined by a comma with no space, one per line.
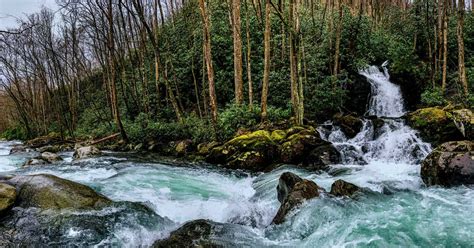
(387,97)
(383,157)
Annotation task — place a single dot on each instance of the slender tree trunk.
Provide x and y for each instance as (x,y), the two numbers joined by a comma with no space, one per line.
(236,33)
(338,40)
(249,53)
(112,76)
(445,46)
(208,58)
(266,67)
(460,33)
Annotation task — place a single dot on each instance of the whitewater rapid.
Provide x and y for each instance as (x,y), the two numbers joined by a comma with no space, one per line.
(400,213)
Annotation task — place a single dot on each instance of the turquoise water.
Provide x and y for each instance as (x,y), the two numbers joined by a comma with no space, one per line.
(410,216)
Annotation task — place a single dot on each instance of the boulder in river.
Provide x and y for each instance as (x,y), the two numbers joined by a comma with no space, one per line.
(450,164)
(343,188)
(18,149)
(253,151)
(50,157)
(349,124)
(438,125)
(50,192)
(35,162)
(196,233)
(86,152)
(293,191)
(7,197)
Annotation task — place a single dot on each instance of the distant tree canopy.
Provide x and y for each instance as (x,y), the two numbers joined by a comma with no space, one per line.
(146,67)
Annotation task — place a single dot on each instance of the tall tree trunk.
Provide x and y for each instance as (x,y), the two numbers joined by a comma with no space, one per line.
(460,33)
(112,76)
(338,40)
(249,53)
(445,45)
(266,67)
(208,58)
(236,33)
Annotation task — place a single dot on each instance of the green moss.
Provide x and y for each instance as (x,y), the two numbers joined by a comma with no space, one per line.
(278,135)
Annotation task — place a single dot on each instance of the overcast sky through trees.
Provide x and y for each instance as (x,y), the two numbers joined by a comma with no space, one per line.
(10,10)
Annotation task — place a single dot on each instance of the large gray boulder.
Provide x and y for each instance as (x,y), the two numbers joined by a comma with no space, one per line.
(50,157)
(50,192)
(450,164)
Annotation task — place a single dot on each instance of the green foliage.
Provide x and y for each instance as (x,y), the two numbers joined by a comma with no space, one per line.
(433,97)
(14,133)
(235,117)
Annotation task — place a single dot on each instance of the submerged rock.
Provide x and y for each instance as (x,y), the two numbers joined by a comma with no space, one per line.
(343,188)
(450,164)
(438,125)
(50,192)
(7,197)
(18,149)
(293,191)
(86,152)
(35,162)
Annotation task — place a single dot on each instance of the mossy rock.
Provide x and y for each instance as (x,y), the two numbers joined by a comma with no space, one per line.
(50,192)
(350,125)
(253,151)
(7,197)
(437,125)
(278,135)
(296,146)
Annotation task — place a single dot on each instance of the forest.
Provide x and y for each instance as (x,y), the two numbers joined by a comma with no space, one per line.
(204,69)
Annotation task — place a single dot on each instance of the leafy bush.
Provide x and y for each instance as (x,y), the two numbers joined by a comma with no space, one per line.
(14,133)
(433,97)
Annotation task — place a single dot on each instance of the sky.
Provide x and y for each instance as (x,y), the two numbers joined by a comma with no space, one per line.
(12,9)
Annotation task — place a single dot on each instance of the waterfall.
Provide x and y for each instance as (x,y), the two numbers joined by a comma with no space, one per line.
(386,138)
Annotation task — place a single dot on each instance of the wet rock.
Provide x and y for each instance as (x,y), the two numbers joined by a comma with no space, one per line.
(7,197)
(321,157)
(292,192)
(450,164)
(49,148)
(18,149)
(350,125)
(86,152)
(298,145)
(253,151)
(438,125)
(204,148)
(192,234)
(50,192)
(35,162)
(183,147)
(206,233)
(50,157)
(342,188)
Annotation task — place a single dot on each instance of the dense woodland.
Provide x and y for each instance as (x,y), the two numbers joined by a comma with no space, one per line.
(201,69)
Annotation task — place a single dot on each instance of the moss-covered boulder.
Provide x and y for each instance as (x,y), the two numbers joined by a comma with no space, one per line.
(50,192)
(7,197)
(438,125)
(254,151)
(450,164)
(342,188)
(349,124)
(183,147)
(296,147)
(292,191)
(321,157)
